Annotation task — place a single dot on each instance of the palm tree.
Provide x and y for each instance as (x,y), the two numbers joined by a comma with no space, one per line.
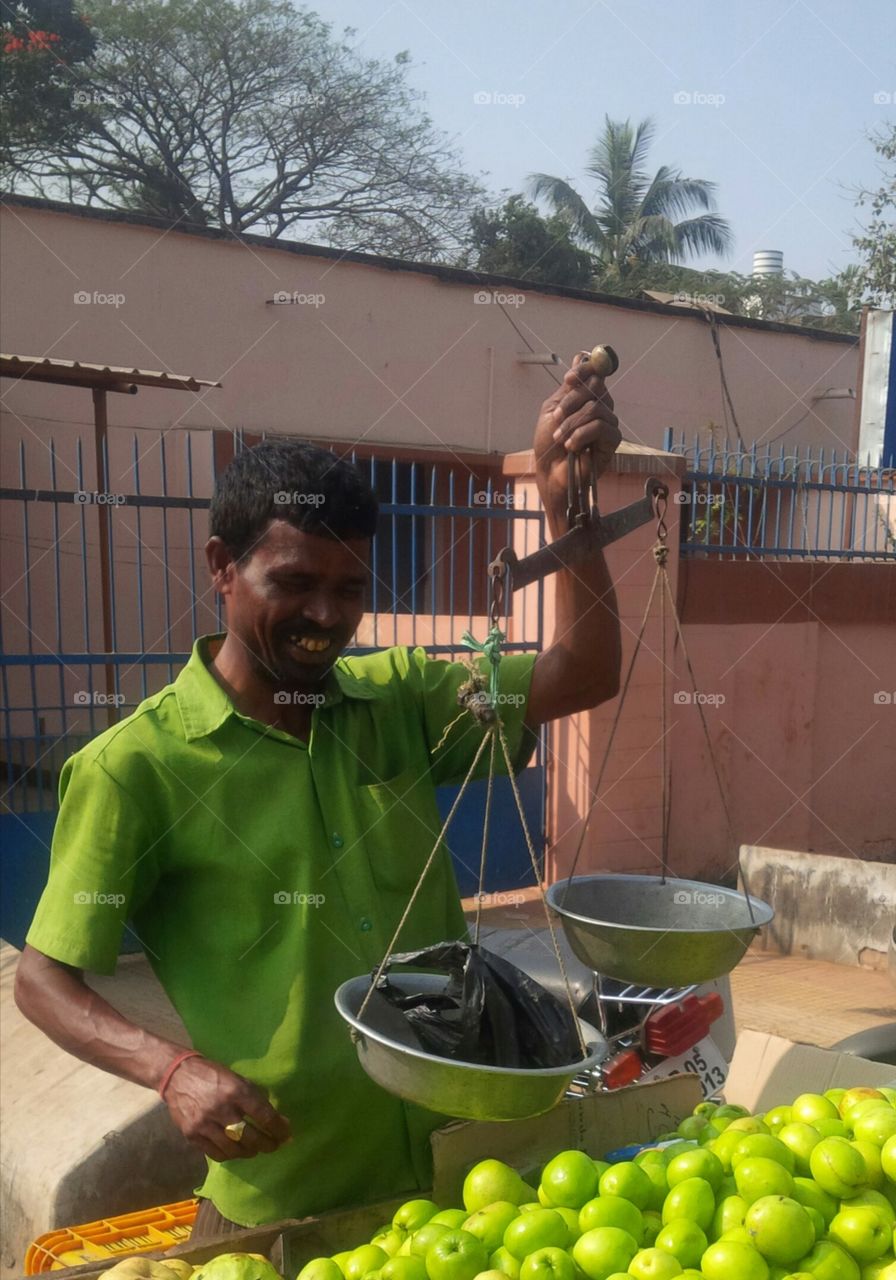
(634,222)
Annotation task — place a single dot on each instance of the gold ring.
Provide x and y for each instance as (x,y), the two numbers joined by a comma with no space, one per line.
(236,1131)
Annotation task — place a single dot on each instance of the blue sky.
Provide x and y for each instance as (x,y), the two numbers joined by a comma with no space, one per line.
(771,99)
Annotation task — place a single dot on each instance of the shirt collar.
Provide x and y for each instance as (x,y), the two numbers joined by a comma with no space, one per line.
(204,705)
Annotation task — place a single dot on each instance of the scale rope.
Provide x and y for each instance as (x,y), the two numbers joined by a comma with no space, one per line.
(483,705)
(661,578)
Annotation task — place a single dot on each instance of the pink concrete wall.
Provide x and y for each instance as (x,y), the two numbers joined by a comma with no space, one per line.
(392,356)
(803,657)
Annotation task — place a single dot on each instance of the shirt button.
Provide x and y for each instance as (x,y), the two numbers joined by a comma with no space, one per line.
(366,924)
(337,839)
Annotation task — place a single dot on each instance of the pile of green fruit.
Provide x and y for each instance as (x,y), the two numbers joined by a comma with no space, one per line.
(226,1266)
(803,1192)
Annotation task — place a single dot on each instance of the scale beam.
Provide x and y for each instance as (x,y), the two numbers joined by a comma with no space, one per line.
(580,543)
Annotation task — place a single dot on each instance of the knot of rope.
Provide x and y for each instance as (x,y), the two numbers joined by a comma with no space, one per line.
(661,553)
(491,651)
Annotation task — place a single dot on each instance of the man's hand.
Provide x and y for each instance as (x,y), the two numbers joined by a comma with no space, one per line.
(203,1097)
(578,414)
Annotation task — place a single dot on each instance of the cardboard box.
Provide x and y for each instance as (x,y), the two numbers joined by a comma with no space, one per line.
(767,1071)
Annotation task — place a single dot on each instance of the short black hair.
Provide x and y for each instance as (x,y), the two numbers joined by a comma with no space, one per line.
(283,479)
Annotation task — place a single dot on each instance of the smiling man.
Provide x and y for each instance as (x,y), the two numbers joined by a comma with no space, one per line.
(264,819)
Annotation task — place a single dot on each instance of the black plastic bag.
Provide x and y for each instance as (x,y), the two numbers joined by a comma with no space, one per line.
(490,1012)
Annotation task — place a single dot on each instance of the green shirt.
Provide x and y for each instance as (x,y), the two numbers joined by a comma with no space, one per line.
(259,873)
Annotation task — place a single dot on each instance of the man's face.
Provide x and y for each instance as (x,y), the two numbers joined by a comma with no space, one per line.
(295,604)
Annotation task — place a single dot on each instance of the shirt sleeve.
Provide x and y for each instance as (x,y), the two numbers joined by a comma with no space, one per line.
(102,868)
(453,733)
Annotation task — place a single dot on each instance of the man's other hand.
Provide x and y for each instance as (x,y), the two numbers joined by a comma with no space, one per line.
(203,1097)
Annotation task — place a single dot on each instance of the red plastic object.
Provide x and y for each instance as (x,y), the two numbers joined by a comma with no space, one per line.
(623,1069)
(677,1027)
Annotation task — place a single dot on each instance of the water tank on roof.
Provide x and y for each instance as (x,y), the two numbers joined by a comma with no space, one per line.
(768,262)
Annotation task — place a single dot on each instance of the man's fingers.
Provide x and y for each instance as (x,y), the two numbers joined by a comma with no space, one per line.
(252,1143)
(603,445)
(595,414)
(589,392)
(576,389)
(255,1140)
(255,1107)
(269,1121)
(216,1145)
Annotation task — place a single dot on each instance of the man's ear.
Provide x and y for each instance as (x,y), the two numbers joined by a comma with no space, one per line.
(221,565)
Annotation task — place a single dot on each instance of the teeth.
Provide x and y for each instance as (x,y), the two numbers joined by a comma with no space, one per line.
(313,646)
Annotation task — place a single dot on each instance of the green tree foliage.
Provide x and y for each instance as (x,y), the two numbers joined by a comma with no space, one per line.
(44,45)
(515,240)
(251,115)
(877,242)
(834,303)
(637,219)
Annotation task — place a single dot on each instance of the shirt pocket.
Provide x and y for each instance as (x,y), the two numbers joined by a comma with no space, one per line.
(399,823)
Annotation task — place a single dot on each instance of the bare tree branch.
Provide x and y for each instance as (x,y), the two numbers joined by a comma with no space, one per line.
(250,114)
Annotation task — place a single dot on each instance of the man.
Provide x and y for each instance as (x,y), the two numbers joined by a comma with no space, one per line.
(263,822)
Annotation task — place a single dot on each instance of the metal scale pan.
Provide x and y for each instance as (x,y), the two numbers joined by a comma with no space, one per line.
(662,933)
(467,1090)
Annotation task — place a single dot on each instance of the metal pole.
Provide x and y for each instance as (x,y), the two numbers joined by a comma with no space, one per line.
(100,423)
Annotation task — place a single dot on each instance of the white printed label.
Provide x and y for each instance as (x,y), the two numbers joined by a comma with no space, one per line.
(704,1061)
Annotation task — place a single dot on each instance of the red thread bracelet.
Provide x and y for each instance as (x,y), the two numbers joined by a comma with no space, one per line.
(181,1057)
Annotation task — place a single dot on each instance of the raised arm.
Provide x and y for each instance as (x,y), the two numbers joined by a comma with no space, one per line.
(580,668)
(202,1096)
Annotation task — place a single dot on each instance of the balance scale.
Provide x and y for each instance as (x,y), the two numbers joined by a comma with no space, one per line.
(647,942)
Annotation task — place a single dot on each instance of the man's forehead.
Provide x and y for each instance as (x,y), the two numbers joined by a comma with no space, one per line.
(285,546)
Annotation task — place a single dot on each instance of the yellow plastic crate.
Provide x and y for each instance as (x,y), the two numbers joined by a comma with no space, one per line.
(140,1232)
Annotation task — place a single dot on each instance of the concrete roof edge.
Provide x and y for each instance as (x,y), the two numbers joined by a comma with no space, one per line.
(450,275)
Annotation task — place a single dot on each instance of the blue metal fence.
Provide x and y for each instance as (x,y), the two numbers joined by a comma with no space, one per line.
(440,526)
(787,503)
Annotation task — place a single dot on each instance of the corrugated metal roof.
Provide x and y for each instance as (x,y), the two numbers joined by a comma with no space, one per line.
(79,373)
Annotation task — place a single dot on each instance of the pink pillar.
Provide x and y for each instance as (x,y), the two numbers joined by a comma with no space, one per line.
(624,833)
